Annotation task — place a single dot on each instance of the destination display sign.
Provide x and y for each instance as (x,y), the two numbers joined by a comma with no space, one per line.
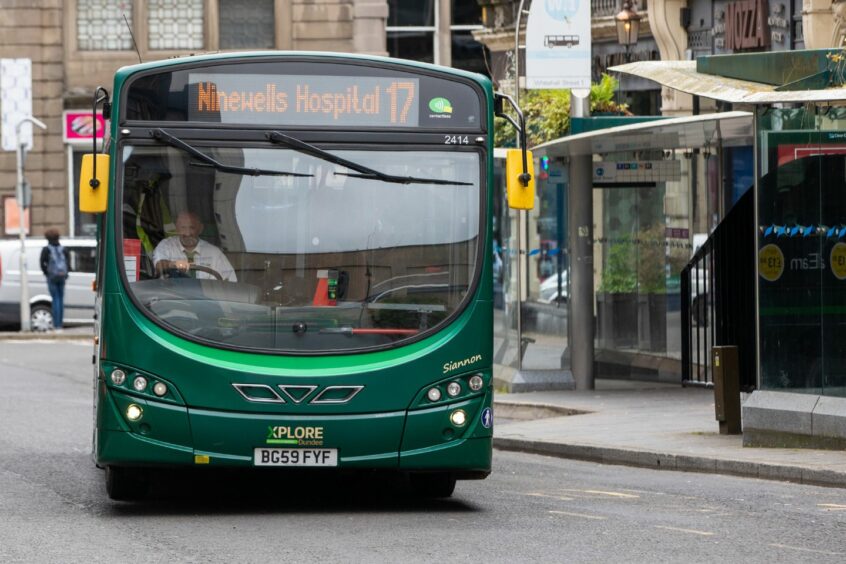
(287,92)
(304,100)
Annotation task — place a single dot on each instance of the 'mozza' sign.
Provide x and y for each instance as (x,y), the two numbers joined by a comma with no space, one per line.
(746,25)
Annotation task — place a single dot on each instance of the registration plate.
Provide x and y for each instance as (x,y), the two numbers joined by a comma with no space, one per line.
(295,457)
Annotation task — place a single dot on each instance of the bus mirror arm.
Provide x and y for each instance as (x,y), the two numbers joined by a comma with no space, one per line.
(107,108)
(525,177)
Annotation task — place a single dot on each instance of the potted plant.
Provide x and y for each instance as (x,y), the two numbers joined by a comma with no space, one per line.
(616,298)
(652,290)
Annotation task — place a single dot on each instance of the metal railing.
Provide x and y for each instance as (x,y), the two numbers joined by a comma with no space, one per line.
(606,8)
(718,298)
(603,8)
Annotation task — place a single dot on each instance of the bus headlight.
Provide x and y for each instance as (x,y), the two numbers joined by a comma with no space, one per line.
(434,394)
(458,417)
(134,412)
(476,382)
(159,388)
(140,384)
(118,376)
(453,389)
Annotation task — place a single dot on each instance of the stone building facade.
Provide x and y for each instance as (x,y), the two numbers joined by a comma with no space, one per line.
(76,45)
(677,30)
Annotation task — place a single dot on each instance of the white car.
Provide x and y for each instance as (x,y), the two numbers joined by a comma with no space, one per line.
(79,290)
(548,293)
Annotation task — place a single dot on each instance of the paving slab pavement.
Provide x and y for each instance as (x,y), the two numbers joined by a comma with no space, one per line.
(652,425)
(76,332)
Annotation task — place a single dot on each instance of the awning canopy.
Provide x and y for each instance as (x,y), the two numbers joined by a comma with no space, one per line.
(683,76)
(690,132)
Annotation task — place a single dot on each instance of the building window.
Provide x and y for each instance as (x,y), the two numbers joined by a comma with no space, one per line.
(467,53)
(246,24)
(175,25)
(100,25)
(411,29)
(466,13)
(412,33)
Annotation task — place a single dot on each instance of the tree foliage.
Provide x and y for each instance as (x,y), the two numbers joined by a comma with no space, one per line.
(547,112)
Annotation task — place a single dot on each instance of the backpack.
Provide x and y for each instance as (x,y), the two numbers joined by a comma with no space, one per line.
(57,264)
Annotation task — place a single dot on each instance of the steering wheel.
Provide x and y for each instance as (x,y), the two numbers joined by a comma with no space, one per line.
(176,273)
(206,269)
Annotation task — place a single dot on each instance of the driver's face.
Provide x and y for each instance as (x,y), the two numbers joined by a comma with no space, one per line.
(188,228)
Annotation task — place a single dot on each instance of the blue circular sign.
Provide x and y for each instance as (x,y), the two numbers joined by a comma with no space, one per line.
(487,418)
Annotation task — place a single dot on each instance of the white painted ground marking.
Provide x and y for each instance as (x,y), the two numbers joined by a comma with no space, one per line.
(613,494)
(691,531)
(560,497)
(832,506)
(800,549)
(582,515)
(715,512)
(601,492)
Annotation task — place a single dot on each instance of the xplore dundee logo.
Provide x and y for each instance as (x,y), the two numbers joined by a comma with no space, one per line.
(295,436)
(440,106)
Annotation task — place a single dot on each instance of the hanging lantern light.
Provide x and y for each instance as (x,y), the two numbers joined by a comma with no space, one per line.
(628,25)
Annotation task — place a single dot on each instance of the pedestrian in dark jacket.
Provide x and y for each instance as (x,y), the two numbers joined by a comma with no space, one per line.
(55,264)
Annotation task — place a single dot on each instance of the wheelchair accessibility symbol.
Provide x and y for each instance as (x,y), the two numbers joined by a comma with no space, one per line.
(487,418)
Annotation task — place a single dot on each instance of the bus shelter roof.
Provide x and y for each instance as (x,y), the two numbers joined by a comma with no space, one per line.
(689,132)
(684,76)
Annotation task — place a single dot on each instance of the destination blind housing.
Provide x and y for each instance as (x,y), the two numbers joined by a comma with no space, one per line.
(299,93)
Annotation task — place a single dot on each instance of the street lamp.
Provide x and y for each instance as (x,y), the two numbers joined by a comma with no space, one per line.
(628,25)
(22,195)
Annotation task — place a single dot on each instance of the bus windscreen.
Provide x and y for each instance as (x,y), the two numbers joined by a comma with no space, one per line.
(306,260)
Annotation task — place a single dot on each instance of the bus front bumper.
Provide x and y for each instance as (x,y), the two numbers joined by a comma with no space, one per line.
(422,439)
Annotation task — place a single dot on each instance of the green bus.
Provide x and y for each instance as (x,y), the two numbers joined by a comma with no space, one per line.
(294,268)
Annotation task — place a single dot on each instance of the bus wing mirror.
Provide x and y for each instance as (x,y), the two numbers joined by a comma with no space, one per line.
(519,169)
(94,172)
(94,192)
(520,182)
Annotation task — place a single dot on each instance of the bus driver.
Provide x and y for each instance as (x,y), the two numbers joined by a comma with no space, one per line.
(186,248)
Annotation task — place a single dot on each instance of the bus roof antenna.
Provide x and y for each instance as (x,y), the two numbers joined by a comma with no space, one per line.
(134,44)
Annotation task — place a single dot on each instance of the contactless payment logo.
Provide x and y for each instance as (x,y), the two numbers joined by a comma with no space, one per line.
(440,106)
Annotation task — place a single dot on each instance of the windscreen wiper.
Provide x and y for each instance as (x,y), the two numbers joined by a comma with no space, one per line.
(164,137)
(363,171)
